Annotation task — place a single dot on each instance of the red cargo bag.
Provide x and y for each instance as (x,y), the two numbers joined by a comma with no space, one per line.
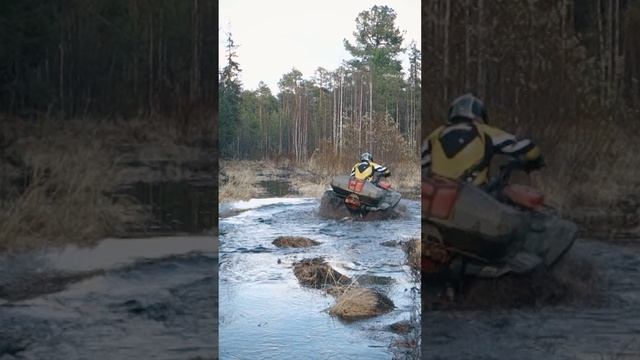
(439,197)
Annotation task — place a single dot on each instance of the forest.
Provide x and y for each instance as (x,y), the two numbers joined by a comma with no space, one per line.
(96,95)
(370,103)
(115,58)
(565,73)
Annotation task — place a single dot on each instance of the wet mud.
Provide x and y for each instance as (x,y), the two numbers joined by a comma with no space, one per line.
(586,307)
(332,207)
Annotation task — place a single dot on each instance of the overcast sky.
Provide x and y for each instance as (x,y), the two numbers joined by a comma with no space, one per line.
(277,35)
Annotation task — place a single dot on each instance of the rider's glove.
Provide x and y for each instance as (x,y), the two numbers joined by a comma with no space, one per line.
(536,164)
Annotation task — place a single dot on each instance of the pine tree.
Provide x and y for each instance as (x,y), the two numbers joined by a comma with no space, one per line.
(229,91)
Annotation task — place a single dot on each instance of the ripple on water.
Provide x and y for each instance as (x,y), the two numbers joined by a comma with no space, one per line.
(163,307)
(262,305)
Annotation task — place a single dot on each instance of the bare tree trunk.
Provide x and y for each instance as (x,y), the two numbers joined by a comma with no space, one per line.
(447,18)
(195,70)
(340,114)
(360,115)
(61,78)
(602,57)
(610,57)
(370,107)
(617,68)
(467,45)
(280,127)
(150,70)
(334,124)
(480,74)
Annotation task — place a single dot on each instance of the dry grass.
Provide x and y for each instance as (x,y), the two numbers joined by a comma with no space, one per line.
(70,175)
(294,242)
(413,250)
(406,177)
(388,147)
(356,303)
(237,180)
(71,167)
(311,186)
(599,170)
(405,174)
(591,161)
(318,274)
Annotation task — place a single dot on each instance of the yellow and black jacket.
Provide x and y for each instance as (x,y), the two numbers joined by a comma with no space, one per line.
(463,150)
(365,170)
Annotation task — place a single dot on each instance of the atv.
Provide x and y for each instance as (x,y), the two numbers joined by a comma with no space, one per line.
(361,197)
(489,231)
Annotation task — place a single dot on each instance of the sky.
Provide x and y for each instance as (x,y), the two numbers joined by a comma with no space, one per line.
(277,35)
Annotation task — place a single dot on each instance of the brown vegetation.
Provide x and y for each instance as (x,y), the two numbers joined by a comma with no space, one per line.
(294,242)
(237,180)
(318,274)
(356,303)
(64,175)
(388,147)
(413,250)
(240,179)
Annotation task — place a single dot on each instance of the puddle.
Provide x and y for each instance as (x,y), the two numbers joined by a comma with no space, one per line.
(177,206)
(264,311)
(277,188)
(135,298)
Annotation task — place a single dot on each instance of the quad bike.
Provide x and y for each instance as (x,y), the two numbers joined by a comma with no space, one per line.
(491,231)
(360,196)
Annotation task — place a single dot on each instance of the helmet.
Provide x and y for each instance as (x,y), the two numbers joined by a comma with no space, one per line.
(366,157)
(469,107)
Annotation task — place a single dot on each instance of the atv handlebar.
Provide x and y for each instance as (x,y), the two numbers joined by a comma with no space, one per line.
(496,183)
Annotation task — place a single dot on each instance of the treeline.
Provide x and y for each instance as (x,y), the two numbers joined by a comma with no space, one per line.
(563,72)
(333,111)
(117,58)
(534,62)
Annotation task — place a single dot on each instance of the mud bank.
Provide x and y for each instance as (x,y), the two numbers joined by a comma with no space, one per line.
(243,180)
(332,207)
(79,181)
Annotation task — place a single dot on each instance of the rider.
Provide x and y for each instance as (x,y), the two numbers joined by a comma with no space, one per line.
(462,148)
(367,170)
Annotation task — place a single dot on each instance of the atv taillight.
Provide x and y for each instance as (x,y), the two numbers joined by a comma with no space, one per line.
(524,196)
(384,185)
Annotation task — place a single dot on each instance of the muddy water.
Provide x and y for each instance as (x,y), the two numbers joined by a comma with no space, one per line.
(176,206)
(277,188)
(607,329)
(130,298)
(266,314)
(139,298)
